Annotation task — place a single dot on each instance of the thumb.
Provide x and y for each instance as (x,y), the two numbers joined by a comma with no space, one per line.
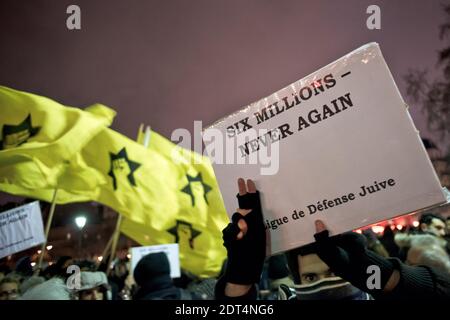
(320,226)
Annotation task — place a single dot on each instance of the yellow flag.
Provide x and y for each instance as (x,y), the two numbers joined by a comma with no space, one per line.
(48,145)
(197,226)
(162,192)
(39,137)
(166,194)
(133,180)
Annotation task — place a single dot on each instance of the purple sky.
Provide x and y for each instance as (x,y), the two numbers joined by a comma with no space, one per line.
(168,63)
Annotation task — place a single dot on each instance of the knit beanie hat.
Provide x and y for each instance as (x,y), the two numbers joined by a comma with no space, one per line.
(152,266)
(278,267)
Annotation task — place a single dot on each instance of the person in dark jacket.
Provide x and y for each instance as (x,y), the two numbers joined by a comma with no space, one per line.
(388,241)
(346,255)
(152,275)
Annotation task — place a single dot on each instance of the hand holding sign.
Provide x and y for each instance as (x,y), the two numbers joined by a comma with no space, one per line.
(347,256)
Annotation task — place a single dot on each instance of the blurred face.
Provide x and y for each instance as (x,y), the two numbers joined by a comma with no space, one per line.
(319,283)
(9,291)
(436,227)
(91,294)
(313,269)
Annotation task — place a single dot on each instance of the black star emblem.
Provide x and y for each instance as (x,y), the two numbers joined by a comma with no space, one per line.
(15,135)
(188,189)
(182,226)
(122,154)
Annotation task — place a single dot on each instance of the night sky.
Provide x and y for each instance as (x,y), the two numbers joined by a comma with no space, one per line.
(168,63)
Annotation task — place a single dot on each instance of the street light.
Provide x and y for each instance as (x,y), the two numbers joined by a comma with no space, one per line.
(80,221)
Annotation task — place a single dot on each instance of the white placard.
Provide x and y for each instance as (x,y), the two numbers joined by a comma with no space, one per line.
(21,228)
(171,250)
(339,131)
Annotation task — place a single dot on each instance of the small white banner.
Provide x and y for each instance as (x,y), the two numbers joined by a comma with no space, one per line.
(21,228)
(171,250)
(343,149)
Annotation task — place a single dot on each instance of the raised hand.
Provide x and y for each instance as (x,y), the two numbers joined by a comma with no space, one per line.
(245,237)
(347,256)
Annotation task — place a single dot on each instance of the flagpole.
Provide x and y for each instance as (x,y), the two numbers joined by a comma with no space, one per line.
(147,136)
(115,239)
(106,250)
(116,235)
(47,230)
(108,246)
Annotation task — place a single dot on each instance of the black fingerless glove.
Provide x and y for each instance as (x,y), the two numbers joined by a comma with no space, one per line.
(246,256)
(348,258)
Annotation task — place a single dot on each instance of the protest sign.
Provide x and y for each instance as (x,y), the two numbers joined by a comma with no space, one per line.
(21,228)
(343,149)
(171,250)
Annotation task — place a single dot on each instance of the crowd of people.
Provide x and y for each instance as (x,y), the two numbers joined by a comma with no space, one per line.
(412,263)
